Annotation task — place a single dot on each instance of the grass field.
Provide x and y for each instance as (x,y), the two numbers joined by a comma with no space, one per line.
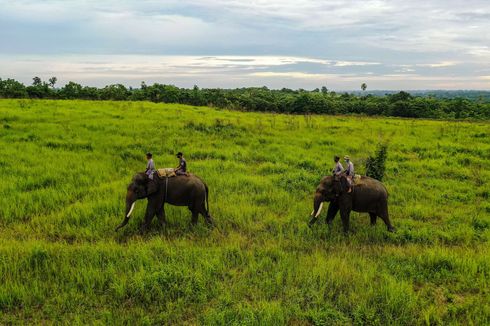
(65,165)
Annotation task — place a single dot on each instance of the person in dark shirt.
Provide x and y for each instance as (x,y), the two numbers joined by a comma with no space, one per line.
(338,169)
(182,168)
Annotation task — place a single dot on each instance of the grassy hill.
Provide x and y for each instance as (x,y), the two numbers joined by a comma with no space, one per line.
(65,165)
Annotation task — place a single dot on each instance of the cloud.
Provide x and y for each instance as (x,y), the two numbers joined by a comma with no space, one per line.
(291,74)
(228,71)
(438,64)
(354,63)
(304,38)
(256,60)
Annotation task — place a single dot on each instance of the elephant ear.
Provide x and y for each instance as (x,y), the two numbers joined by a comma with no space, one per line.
(152,186)
(344,184)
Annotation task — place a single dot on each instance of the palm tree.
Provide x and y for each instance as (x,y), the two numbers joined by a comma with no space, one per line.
(52,81)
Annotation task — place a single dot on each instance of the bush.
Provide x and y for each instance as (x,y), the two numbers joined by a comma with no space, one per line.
(375,165)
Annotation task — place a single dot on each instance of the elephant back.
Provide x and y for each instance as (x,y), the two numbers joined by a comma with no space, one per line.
(370,184)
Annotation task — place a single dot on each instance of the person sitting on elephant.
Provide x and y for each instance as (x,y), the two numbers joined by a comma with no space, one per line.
(338,168)
(371,198)
(150,166)
(182,168)
(349,172)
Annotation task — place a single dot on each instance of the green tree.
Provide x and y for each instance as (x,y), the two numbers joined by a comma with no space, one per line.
(71,91)
(375,165)
(117,92)
(36,81)
(39,89)
(52,81)
(11,88)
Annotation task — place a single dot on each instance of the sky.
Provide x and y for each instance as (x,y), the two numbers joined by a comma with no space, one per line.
(389,45)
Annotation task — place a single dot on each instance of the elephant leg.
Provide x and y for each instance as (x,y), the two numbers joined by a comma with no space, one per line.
(195,215)
(206,215)
(345,216)
(333,209)
(161,217)
(386,219)
(383,214)
(373,218)
(150,213)
(209,220)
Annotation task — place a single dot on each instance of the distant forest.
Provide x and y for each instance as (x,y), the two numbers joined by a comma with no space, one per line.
(421,104)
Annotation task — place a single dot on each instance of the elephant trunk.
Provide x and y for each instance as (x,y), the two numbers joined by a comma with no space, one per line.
(130,202)
(317,208)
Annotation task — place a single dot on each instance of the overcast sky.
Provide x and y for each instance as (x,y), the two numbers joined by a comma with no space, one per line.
(397,44)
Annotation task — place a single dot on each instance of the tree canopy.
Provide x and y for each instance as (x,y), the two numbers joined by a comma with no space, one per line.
(318,101)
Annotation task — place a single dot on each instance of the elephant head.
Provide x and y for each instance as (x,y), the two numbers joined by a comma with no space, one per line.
(141,187)
(329,189)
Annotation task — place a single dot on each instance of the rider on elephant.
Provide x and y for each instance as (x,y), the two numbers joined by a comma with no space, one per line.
(349,172)
(182,168)
(338,168)
(150,166)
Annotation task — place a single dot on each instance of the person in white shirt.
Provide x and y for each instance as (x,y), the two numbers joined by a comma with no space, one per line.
(349,172)
(150,166)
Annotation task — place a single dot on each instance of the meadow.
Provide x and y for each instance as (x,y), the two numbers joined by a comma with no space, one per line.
(65,165)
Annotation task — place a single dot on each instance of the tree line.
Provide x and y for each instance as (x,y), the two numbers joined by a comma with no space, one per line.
(317,101)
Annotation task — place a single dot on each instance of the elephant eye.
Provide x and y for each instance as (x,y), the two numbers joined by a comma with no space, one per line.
(133,188)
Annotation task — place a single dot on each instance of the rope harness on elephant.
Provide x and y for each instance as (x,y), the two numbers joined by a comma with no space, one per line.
(166,187)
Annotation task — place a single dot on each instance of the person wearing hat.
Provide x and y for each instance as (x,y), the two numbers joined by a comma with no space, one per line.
(349,171)
(150,166)
(338,168)
(182,168)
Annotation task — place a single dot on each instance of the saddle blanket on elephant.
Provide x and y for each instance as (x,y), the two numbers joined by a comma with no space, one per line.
(357,179)
(166,173)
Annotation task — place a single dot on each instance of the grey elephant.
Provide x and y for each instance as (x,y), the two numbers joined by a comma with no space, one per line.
(368,195)
(182,190)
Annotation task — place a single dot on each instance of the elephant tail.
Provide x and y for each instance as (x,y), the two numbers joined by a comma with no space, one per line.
(207,198)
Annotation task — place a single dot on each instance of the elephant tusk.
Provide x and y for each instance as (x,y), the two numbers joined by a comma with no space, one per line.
(319,210)
(131,210)
(313,211)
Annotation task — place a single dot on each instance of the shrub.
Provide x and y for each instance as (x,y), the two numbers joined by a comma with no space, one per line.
(375,165)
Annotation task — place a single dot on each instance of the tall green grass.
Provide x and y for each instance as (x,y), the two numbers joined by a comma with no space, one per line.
(64,167)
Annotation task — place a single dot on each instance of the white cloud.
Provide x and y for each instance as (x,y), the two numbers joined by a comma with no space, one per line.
(292,74)
(225,71)
(354,63)
(302,39)
(438,64)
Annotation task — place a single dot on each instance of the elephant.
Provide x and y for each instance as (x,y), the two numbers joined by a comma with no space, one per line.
(368,195)
(182,190)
